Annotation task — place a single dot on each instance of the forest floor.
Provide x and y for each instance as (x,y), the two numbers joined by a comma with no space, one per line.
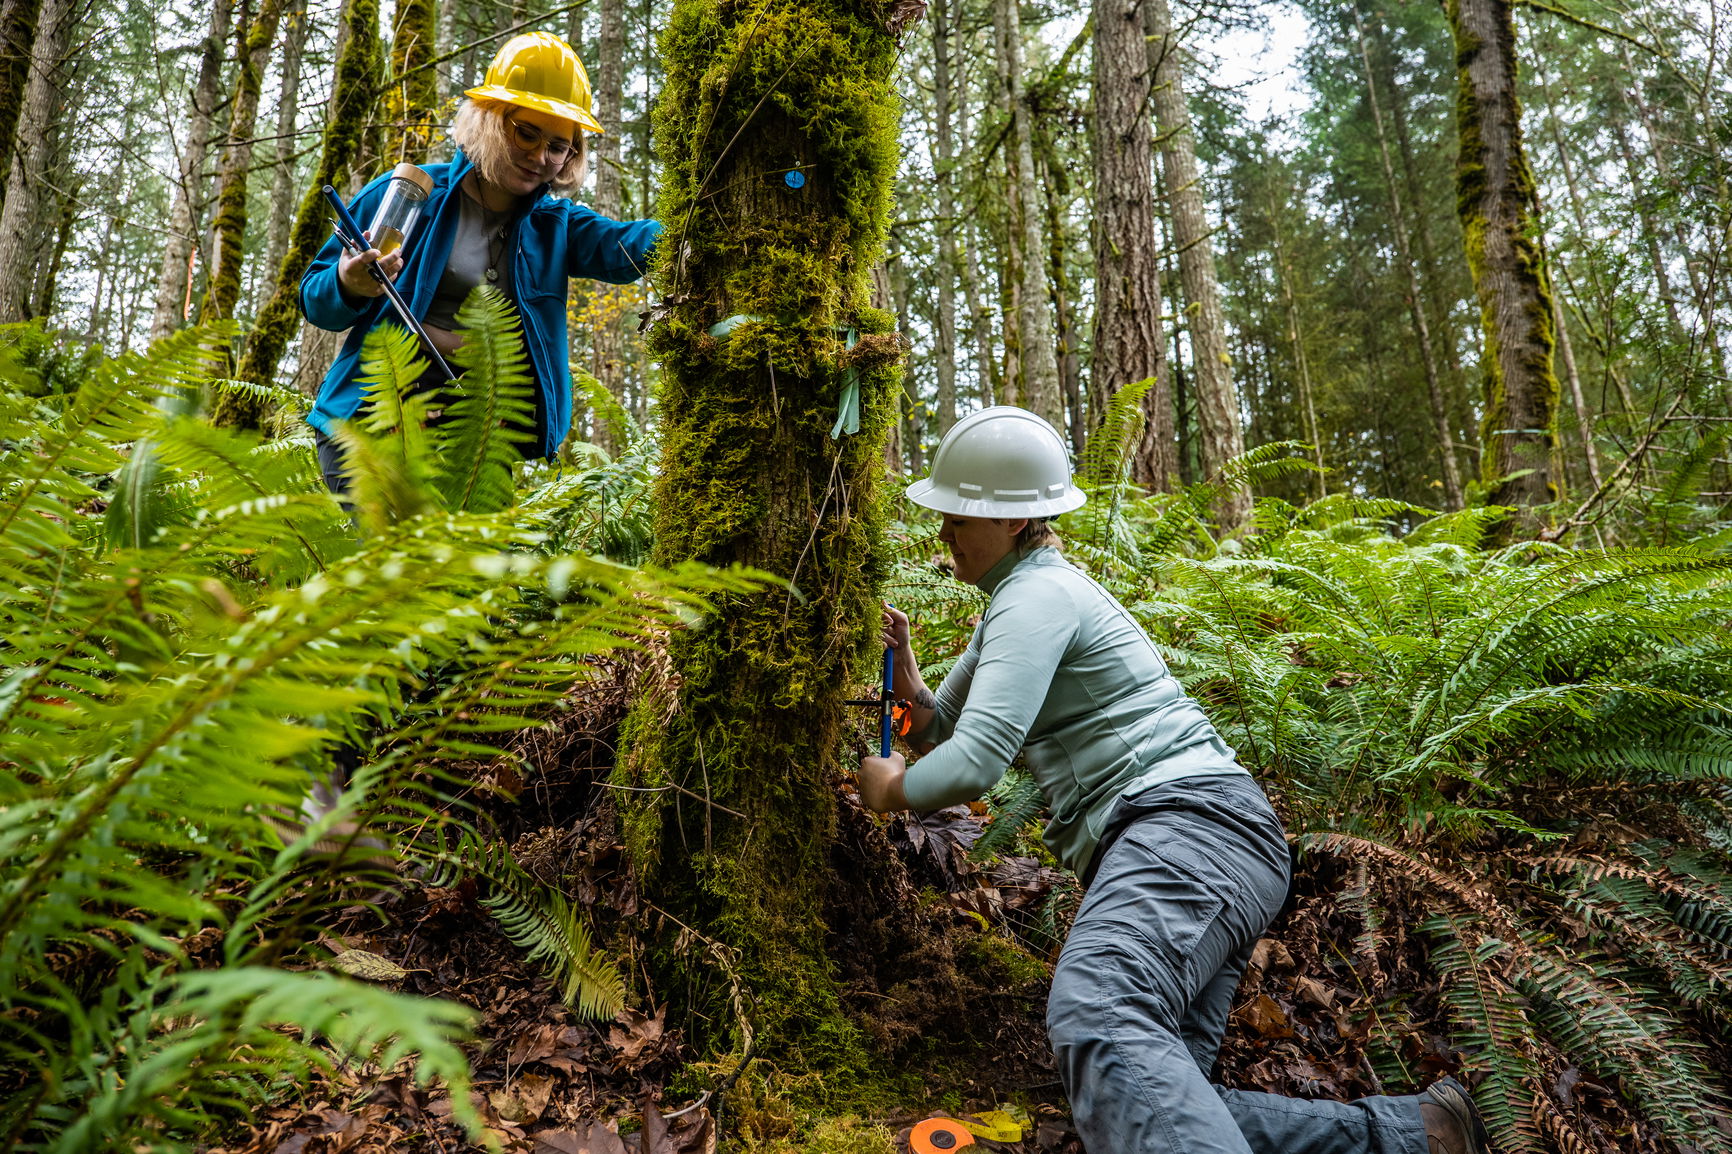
(547,1082)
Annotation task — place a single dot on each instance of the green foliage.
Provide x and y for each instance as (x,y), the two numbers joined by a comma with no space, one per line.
(539,919)
(174,678)
(1456,723)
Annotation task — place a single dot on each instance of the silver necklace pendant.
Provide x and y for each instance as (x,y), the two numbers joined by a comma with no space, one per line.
(492,275)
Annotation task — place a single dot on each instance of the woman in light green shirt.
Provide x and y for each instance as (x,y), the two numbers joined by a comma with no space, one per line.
(1184,860)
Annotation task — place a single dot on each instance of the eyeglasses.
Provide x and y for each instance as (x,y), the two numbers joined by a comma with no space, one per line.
(528,138)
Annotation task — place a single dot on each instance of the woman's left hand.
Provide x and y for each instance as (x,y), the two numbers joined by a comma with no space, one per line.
(881,783)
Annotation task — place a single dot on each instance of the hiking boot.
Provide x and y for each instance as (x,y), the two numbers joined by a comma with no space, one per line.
(1452,1122)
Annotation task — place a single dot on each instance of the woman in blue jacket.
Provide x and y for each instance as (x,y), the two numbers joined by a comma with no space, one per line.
(497,214)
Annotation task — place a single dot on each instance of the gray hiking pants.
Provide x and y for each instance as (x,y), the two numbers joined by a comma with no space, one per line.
(1145,981)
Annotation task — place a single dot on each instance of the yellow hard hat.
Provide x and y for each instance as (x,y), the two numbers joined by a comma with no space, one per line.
(539,70)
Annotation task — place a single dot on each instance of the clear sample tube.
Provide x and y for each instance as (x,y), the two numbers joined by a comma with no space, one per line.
(405,195)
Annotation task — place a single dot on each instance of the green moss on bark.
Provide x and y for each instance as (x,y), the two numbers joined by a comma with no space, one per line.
(354,96)
(1498,206)
(413,91)
(751,719)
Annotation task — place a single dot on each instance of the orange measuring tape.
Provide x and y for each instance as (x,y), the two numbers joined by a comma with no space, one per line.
(936,1135)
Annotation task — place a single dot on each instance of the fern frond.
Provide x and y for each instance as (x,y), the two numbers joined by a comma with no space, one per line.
(490,417)
(537,918)
(1012,804)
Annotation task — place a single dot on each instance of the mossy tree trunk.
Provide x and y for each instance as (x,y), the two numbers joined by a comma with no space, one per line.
(1500,219)
(355,93)
(410,102)
(777,132)
(282,202)
(229,229)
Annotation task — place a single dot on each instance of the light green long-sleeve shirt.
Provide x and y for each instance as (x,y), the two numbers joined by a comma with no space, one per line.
(1060,671)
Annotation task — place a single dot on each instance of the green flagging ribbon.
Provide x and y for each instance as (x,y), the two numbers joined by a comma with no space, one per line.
(847,401)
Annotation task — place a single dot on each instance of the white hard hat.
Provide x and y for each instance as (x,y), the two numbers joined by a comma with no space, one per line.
(999,462)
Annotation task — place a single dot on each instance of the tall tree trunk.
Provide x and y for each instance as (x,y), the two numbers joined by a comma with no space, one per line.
(283,165)
(355,92)
(24,232)
(1584,417)
(1650,230)
(1217,400)
(750,723)
(944,169)
(17,32)
(1452,492)
(1129,345)
(606,340)
(988,386)
(1050,172)
(63,214)
(1031,372)
(1707,307)
(186,214)
(410,103)
(235,409)
(1499,216)
(1296,337)
(228,229)
(1463,427)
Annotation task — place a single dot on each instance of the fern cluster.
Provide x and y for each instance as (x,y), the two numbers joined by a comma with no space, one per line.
(1531,743)
(191,625)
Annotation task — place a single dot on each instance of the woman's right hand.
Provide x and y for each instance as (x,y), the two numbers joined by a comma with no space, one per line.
(352,271)
(894,631)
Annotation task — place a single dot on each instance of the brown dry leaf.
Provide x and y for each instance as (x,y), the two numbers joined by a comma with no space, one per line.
(1269,954)
(594,1138)
(533,1046)
(524,1101)
(640,1040)
(1265,1017)
(367,966)
(1315,992)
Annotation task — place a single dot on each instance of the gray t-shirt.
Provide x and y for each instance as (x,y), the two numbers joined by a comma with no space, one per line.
(483,241)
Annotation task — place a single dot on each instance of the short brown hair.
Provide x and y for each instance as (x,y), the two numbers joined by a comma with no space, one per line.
(480,131)
(1035,535)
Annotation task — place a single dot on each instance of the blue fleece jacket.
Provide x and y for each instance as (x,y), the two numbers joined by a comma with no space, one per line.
(552,240)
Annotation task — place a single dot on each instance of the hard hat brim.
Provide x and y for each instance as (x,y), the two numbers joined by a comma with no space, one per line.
(929,496)
(578,116)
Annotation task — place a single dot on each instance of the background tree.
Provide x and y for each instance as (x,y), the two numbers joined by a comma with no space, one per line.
(31,214)
(355,89)
(1496,196)
(1218,419)
(1129,345)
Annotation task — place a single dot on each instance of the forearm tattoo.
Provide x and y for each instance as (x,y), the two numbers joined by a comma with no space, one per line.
(925,700)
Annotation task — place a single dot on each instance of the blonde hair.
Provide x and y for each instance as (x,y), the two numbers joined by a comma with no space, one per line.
(1035,535)
(479,129)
